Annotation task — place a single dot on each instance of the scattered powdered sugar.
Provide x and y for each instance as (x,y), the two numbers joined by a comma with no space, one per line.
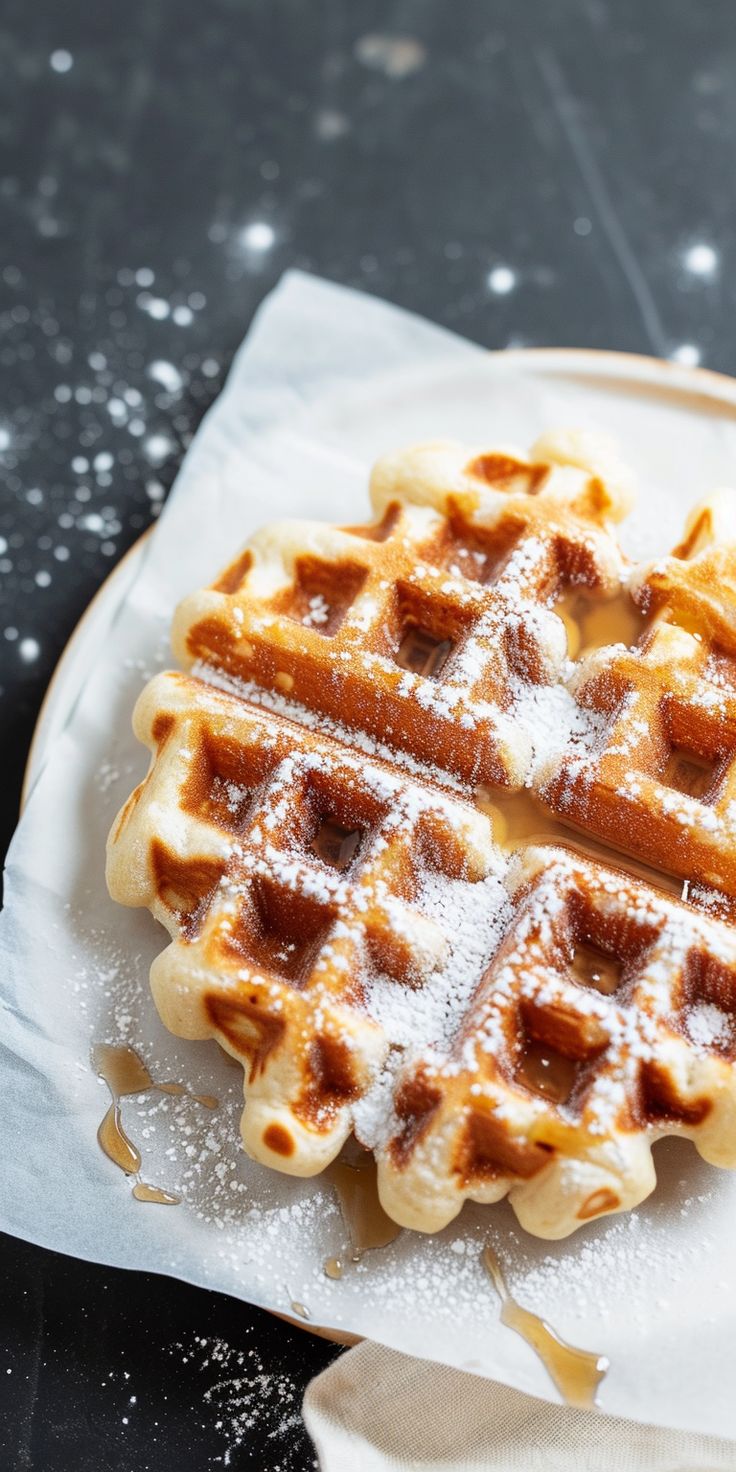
(707,1025)
(318,613)
(106,776)
(236,795)
(243,1401)
(582,1278)
(472,918)
(557,727)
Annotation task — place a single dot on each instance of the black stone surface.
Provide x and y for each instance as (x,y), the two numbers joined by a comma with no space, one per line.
(520,171)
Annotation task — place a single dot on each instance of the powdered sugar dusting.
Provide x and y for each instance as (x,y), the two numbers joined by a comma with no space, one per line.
(242,1397)
(473,917)
(707,1025)
(301,714)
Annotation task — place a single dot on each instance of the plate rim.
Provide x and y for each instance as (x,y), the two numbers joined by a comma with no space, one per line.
(55,689)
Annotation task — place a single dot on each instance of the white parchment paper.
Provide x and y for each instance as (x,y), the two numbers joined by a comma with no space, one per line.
(326,380)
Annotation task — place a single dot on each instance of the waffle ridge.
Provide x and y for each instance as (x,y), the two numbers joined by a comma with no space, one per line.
(490,1021)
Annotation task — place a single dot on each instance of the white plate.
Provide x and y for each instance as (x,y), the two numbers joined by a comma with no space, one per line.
(679,427)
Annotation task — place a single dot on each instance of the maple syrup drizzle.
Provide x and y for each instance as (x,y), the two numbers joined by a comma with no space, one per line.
(519,819)
(125,1073)
(368,1226)
(144,1192)
(577,1373)
(683,619)
(593,622)
(547,1072)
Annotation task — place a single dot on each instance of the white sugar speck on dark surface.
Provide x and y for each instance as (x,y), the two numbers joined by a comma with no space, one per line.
(526,176)
(241,1396)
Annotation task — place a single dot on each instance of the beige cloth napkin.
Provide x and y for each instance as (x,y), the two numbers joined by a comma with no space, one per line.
(375,1410)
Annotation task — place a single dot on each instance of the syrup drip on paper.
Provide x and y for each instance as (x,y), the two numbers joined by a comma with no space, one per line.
(125,1073)
(577,1373)
(367,1224)
(142,1192)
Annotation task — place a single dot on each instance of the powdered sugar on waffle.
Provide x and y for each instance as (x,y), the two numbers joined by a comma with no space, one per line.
(425,1020)
(555,725)
(473,917)
(453,976)
(353,737)
(707,1025)
(544,717)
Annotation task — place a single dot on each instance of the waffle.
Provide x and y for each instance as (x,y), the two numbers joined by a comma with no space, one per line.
(488,1017)
(603,1022)
(660,780)
(284,867)
(427,626)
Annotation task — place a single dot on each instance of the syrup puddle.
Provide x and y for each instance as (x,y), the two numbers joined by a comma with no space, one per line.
(368,1226)
(592,623)
(577,1373)
(125,1073)
(518,820)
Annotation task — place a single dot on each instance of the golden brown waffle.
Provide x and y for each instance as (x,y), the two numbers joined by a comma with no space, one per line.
(286,868)
(524,1021)
(660,779)
(606,1018)
(425,627)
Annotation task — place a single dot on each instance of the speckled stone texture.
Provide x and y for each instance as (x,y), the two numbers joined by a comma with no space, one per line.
(523,173)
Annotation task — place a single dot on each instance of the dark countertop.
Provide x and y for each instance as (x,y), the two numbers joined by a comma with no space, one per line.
(522,173)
